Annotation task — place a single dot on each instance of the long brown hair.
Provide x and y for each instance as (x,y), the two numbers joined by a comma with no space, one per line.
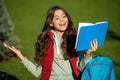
(69,36)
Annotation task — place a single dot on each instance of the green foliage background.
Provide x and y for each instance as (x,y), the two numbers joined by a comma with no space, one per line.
(29,15)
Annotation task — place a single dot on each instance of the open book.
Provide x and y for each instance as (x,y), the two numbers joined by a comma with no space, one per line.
(87,32)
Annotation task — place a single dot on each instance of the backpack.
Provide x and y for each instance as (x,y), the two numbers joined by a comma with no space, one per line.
(99,68)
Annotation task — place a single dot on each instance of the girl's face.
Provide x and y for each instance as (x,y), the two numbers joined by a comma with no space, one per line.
(60,22)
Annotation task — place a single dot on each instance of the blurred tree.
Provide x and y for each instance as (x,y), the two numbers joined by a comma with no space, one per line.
(6,33)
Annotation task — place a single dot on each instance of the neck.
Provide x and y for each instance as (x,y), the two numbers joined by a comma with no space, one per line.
(59,33)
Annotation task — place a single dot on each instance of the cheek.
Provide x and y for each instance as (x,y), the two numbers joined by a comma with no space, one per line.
(56,23)
(67,20)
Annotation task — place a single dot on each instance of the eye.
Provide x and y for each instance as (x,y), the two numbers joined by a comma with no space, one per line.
(56,18)
(64,16)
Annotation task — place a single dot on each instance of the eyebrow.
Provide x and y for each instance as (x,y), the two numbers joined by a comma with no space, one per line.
(58,15)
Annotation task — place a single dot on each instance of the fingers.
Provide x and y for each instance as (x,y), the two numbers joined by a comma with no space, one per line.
(13,47)
(94,45)
(16,51)
(5,45)
(8,47)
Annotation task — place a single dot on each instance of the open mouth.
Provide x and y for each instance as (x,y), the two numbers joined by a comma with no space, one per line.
(62,24)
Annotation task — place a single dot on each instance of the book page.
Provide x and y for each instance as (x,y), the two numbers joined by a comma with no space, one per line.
(101,22)
(87,32)
(81,24)
(101,32)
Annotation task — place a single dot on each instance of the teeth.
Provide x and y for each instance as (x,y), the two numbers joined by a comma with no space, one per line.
(62,24)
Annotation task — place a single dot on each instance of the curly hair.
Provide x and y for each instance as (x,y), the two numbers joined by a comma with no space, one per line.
(69,36)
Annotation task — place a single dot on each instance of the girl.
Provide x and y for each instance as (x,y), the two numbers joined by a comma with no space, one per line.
(55,56)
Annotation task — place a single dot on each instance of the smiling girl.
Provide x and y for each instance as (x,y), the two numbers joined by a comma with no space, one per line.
(55,56)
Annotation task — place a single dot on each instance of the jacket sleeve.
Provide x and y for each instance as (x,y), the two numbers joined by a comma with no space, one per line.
(31,67)
(82,61)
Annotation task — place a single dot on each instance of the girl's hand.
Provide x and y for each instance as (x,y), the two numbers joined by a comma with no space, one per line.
(94,46)
(16,51)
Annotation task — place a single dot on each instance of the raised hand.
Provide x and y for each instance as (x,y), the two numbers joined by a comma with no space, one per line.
(16,51)
(94,46)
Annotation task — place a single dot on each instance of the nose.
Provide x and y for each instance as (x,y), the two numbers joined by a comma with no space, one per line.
(61,19)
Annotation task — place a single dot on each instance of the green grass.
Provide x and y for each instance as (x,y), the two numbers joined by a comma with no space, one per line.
(29,15)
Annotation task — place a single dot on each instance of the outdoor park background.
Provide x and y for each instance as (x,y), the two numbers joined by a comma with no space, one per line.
(29,16)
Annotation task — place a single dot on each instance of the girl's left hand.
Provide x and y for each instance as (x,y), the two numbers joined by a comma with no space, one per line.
(94,46)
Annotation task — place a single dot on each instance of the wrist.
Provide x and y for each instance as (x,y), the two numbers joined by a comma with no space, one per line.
(88,54)
(20,56)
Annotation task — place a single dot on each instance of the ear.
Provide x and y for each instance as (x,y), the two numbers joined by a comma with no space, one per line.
(51,24)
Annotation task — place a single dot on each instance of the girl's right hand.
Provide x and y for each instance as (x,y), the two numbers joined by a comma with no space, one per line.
(16,51)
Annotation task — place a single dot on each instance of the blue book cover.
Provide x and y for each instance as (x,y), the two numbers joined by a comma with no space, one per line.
(87,32)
